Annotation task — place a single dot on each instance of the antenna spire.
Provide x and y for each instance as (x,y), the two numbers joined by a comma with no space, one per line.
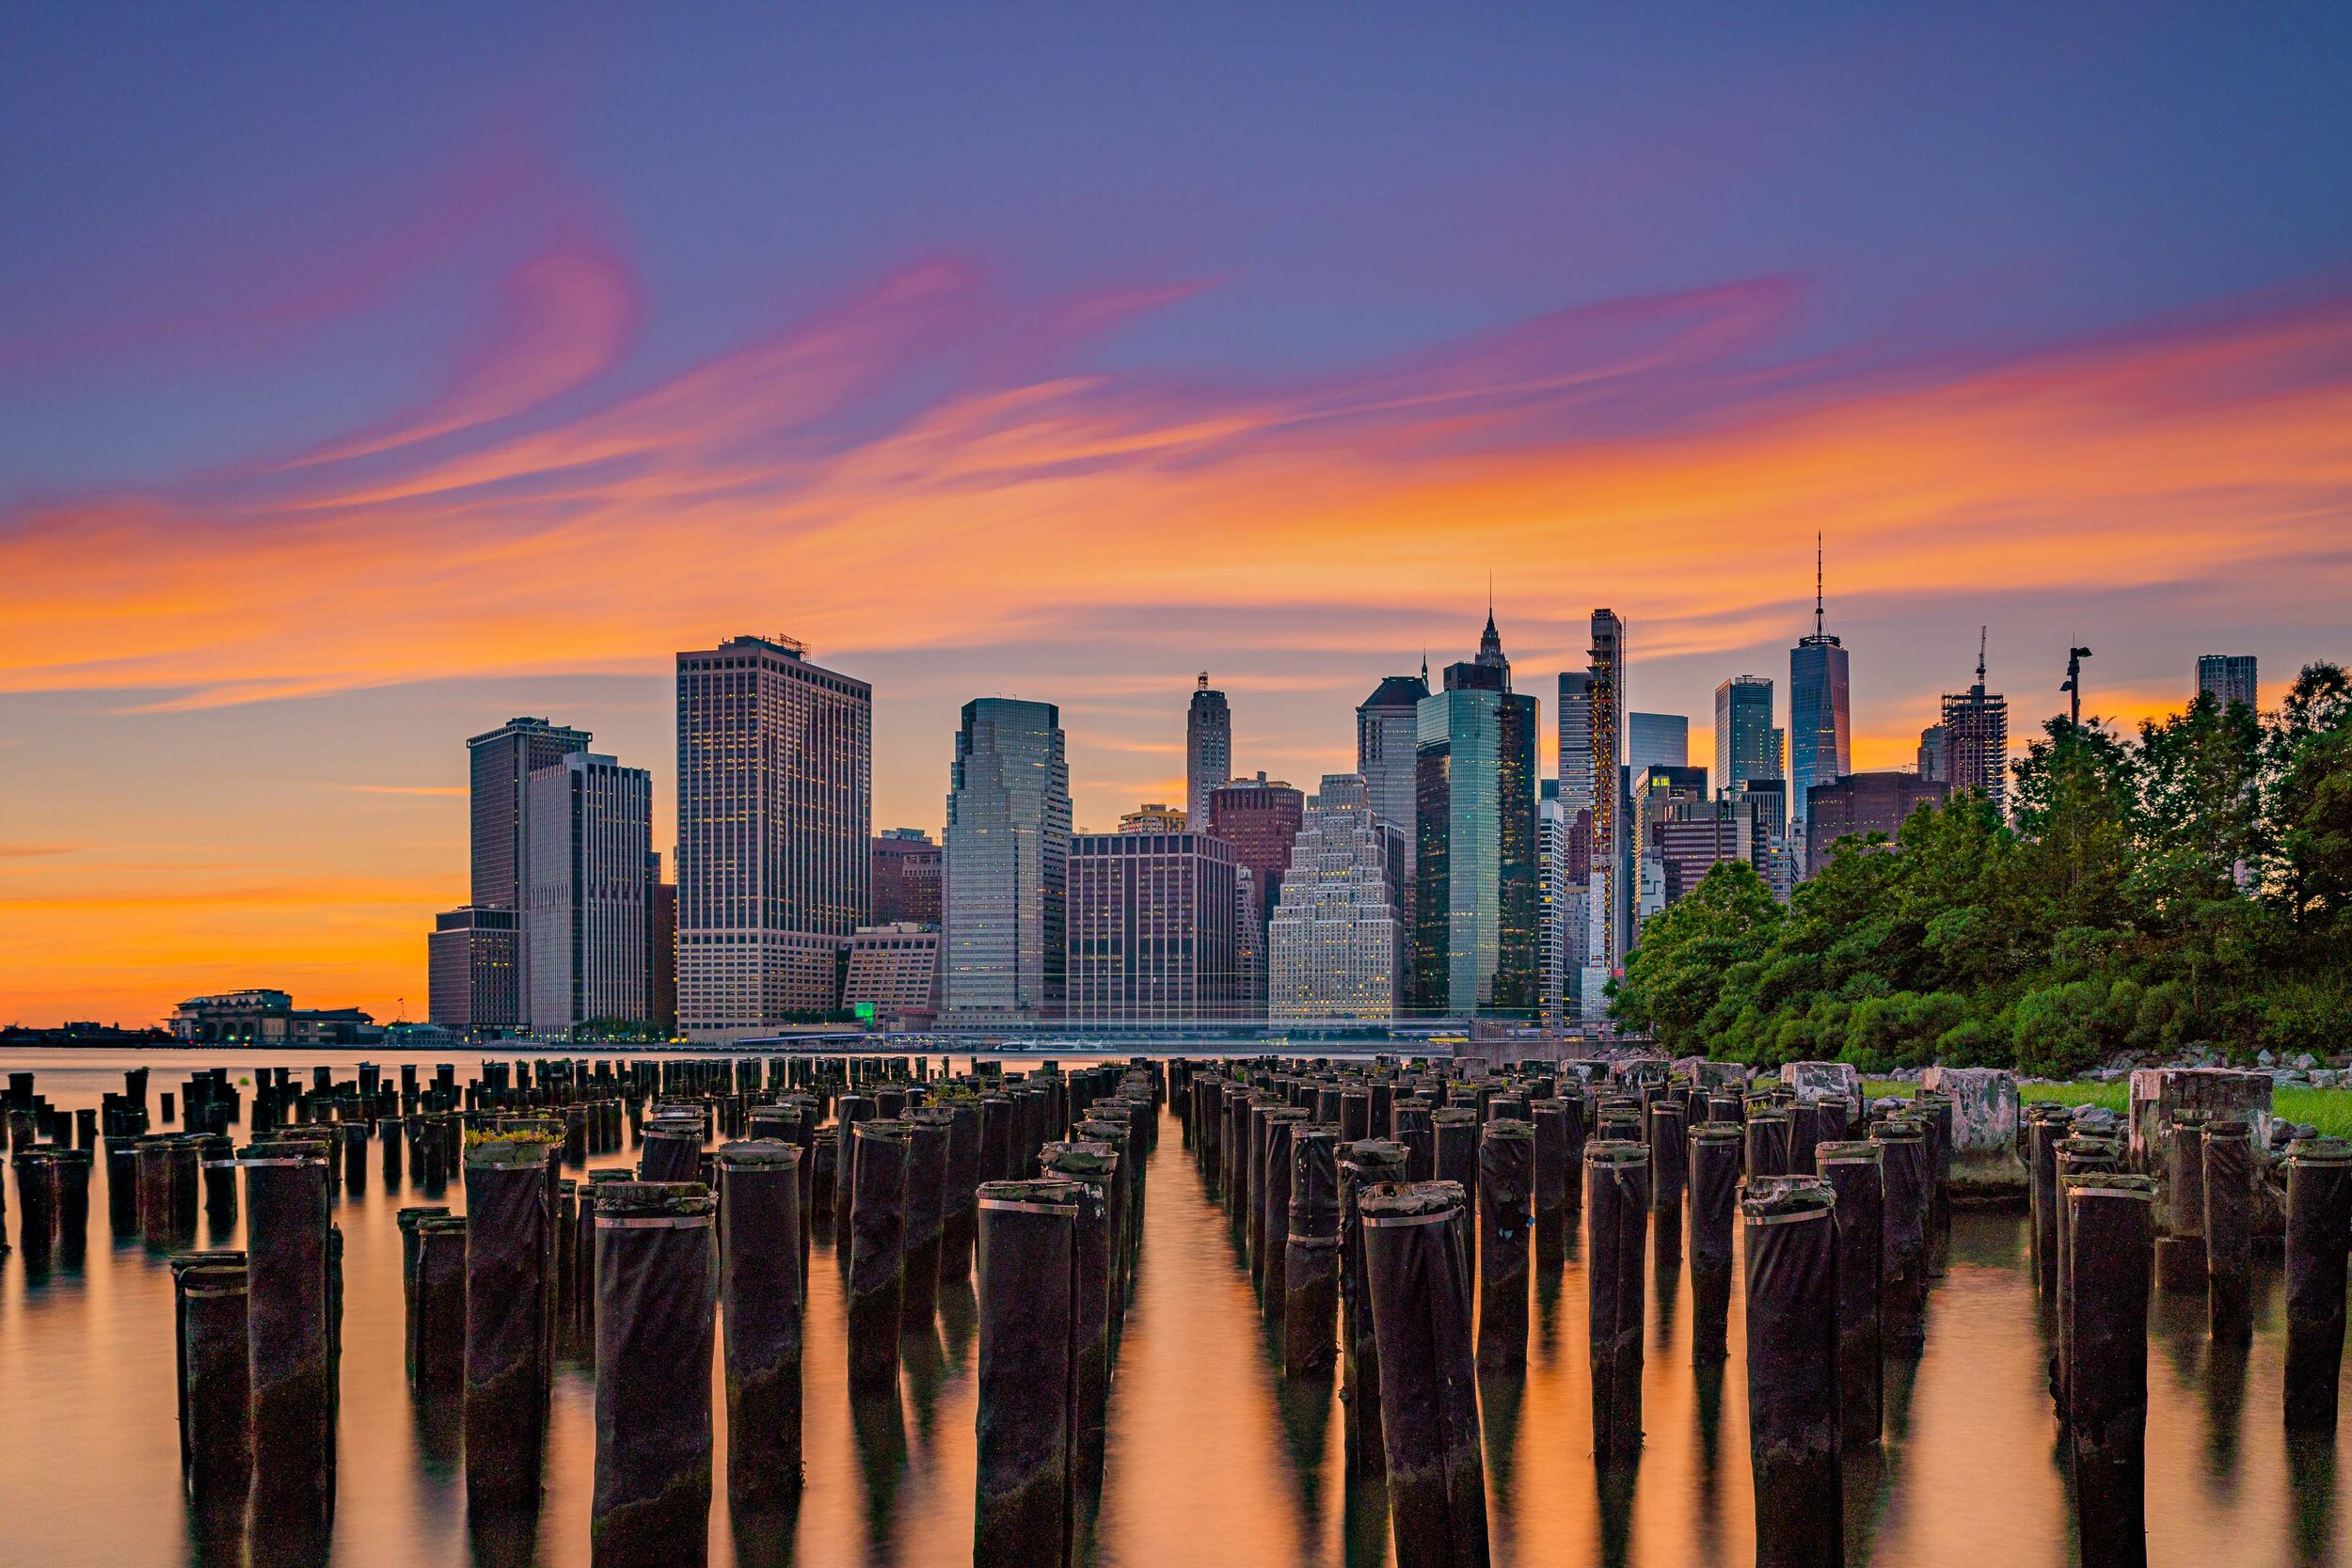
(1817,582)
(1981,632)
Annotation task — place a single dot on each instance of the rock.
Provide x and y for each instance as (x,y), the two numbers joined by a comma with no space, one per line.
(2264,1059)
(1985,1162)
(2160,1093)
(2307,1061)
(1823,1080)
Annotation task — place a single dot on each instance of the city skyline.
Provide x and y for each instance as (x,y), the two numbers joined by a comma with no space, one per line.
(580,344)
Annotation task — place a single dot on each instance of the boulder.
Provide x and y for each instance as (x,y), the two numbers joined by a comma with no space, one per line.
(2160,1093)
(1822,1080)
(1985,1161)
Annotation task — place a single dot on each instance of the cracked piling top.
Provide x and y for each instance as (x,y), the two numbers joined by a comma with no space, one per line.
(759,1154)
(1772,1198)
(650,1199)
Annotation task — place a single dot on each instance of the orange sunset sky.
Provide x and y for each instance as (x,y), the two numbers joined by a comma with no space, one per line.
(447,415)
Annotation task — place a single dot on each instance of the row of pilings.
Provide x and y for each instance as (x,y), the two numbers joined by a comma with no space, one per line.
(1443,1182)
(919,1178)
(1340,1179)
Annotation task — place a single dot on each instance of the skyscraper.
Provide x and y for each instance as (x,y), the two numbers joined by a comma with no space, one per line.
(1820,732)
(501,762)
(1258,817)
(1936,763)
(1744,744)
(1864,803)
(492,956)
(1386,737)
(1336,948)
(586,874)
(1008,862)
(2230,677)
(1153,923)
(1208,749)
(1576,740)
(1609,902)
(1976,745)
(775,815)
(1657,740)
(1477,907)
(474,969)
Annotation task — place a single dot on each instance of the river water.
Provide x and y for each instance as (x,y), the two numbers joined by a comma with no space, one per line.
(1213,1457)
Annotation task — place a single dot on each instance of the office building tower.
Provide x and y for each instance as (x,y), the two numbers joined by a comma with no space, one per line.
(1746,745)
(908,870)
(1008,862)
(1576,740)
(1260,818)
(1387,731)
(1657,740)
(1208,749)
(1935,754)
(2229,678)
(660,951)
(894,970)
(1152,922)
(1821,728)
(585,872)
(1477,909)
(1609,893)
(774,841)
(1696,835)
(473,970)
(1976,744)
(1862,804)
(1153,816)
(1249,954)
(1335,946)
(1565,865)
(500,763)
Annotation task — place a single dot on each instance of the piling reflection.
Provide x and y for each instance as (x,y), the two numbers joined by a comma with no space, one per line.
(1213,1454)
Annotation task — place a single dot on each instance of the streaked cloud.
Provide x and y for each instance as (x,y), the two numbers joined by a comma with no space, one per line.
(931,478)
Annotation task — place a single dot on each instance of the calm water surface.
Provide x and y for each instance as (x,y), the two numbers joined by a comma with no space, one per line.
(1213,1458)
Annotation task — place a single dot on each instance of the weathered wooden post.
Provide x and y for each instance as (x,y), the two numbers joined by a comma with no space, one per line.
(1714,1177)
(2103,1304)
(1855,1171)
(1792,1234)
(2228,1230)
(1903,1238)
(1022,1515)
(290,1347)
(1364,1164)
(876,1254)
(1616,1216)
(509,1219)
(761,1286)
(658,1293)
(1506,1172)
(2319,1231)
(1311,1256)
(1428,1388)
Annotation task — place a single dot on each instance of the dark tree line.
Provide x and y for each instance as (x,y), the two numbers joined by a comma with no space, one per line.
(2188,885)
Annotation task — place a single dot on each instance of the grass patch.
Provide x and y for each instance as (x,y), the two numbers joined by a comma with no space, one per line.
(2329,1110)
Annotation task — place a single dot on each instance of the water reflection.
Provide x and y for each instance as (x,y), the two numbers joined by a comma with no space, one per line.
(1212,1455)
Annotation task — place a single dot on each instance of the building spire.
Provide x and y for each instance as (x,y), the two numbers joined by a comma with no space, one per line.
(1980,636)
(1817,582)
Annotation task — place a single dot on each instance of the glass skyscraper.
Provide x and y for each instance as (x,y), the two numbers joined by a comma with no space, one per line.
(1821,732)
(1746,745)
(1008,857)
(1478,907)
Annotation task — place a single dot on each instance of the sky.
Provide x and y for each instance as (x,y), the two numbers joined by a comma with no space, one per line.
(370,374)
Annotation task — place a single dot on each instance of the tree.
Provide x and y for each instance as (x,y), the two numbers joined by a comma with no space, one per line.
(1676,976)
